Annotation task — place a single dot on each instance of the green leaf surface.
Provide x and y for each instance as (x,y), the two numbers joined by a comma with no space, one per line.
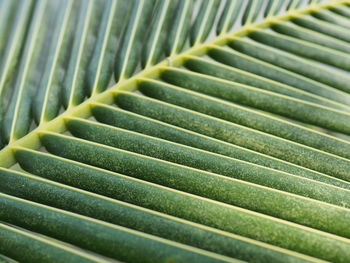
(29,247)
(138,123)
(311,36)
(264,100)
(268,70)
(111,238)
(75,80)
(100,68)
(12,50)
(17,119)
(131,42)
(158,32)
(221,71)
(240,115)
(204,21)
(273,7)
(230,167)
(223,135)
(251,12)
(228,16)
(295,64)
(322,27)
(48,100)
(304,49)
(145,220)
(203,211)
(332,17)
(236,134)
(179,29)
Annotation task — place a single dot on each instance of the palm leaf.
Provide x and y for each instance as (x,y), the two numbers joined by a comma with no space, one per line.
(175,131)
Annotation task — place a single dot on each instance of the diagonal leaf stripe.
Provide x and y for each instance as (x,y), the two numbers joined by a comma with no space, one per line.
(46,105)
(141,219)
(138,123)
(180,28)
(175,131)
(17,119)
(72,222)
(75,82)
(287,232)
(158,33)
(39,247)
(130,45)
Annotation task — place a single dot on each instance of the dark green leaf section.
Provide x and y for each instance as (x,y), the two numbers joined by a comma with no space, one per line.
(28,247)
(5,259)
(231,191)
(240,115)
(236,134)
(303,49)
(179,204)
(127,215)
(263,100)
(112,241)
(311,36)
(294,63)
(191,157)
(222,71)
(204,21)
(211,164)
(247,63)
(133,122)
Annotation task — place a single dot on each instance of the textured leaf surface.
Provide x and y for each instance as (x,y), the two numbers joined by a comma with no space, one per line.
(222,137)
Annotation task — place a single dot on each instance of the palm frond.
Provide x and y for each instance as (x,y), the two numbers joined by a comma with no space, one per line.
(175,131)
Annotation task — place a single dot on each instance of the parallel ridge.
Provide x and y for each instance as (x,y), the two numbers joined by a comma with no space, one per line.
(230,157)
(75,55)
